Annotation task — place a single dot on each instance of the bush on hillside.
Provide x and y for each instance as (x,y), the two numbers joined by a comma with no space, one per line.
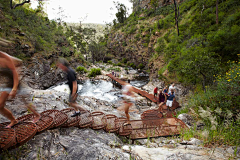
(218,108)
(94,72)
(81,69)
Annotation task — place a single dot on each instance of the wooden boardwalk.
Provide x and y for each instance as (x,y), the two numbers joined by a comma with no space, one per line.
(140,92)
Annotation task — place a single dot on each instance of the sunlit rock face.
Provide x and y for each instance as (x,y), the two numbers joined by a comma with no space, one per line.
(144,4)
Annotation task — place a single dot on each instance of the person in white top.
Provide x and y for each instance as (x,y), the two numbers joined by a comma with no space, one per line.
(172,87)
(128,98)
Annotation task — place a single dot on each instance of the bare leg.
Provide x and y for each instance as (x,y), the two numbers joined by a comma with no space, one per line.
(31,107)
(5,112)
(160,106)
(37,116)
(72,103)
(127,106)
(75,106)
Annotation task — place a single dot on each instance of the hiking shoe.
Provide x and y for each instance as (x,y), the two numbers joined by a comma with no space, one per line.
(76,114)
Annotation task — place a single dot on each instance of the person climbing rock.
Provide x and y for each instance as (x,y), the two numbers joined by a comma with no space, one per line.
(128,100)
(72,83)
(9,86)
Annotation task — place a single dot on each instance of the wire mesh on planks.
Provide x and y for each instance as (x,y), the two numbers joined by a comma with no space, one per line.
(59,117)
(24,131)
(99,120)
(156,127)
(7,137)
(124,130)
(112,123)
(151,114)
(44,122)
(86,119)
(71,121)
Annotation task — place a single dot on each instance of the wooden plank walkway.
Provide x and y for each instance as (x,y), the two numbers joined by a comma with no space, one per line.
(140,92)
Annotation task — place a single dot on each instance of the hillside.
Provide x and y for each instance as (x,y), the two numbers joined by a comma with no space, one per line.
(204,56)
(149,37)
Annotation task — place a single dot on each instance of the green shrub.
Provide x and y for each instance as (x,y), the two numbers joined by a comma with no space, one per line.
(124,60)
(132,65)
(81,69)
(114,69)
(94,71)
(218,108)
(109,62)
(140,66)
(145,44)
(119,64)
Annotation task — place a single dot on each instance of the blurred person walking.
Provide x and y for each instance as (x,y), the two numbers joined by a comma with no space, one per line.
(9,86)
(72,83)
(128,100)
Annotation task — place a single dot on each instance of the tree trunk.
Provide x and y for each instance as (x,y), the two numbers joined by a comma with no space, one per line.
(176,16)
(217,12)
(204,81)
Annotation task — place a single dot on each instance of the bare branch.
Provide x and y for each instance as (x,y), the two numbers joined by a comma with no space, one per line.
(20,4)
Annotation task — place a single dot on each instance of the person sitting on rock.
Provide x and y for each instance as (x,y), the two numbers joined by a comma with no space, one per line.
(170,98)
(9,87)
(72,83)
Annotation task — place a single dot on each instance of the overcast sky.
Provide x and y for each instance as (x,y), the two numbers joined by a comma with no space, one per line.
(97,11)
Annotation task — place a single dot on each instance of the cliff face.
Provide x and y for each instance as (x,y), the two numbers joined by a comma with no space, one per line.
(145,4)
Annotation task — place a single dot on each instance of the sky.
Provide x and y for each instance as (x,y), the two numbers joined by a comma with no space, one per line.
(87,11)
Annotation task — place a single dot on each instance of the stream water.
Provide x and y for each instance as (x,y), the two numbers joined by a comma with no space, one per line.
(101,89)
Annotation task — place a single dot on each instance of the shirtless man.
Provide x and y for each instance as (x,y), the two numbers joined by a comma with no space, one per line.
(9,86)
(128,99)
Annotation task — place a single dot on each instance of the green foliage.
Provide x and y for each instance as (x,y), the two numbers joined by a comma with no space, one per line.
(94,72)
(132,65)
(81,69)
(145,44)
(42,35)
(140,66)
(117,69)
(218,108)
(124,60)
(120,64)
(109,62)
(122,12)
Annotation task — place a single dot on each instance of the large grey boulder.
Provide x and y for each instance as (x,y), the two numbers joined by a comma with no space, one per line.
(187,119)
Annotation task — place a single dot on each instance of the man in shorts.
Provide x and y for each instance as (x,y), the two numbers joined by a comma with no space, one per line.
(170,98)
(72,83)
(9,86)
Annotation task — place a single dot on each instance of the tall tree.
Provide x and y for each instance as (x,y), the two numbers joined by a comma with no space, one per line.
(176,15)
(122,12)
(217,12)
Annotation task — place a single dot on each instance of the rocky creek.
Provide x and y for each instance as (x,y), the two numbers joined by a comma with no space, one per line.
(75,143)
